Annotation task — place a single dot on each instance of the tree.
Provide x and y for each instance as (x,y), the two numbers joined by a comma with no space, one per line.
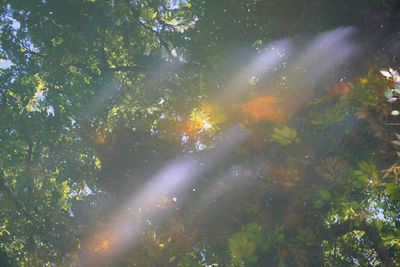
(119,146)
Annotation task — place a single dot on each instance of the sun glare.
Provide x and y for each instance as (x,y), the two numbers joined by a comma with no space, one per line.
(274,106)
(198,123)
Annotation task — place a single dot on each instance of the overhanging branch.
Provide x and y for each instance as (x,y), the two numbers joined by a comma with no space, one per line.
(371,232)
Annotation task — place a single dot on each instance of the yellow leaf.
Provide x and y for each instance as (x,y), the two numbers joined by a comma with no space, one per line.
(57,41)
(97,162)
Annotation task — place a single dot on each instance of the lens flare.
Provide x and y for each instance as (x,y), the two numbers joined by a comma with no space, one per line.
(126,227)
(270,104)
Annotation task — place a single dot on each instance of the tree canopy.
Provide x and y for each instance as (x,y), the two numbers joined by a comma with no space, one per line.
(199,133)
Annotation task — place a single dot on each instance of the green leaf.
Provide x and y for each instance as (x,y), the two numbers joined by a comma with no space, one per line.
(242,249)
(393,190)
(285,136)
(325,195)
(388,93)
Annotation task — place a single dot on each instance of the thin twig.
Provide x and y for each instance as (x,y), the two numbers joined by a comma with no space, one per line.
(389,170)
(161,39)
(390,54)
(392,123)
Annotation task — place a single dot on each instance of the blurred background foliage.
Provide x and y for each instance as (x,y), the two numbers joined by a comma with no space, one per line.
(96,96)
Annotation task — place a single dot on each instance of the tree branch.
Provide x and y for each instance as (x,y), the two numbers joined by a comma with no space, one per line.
(373,235)
(162,41)
(371,232)
(390,54)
